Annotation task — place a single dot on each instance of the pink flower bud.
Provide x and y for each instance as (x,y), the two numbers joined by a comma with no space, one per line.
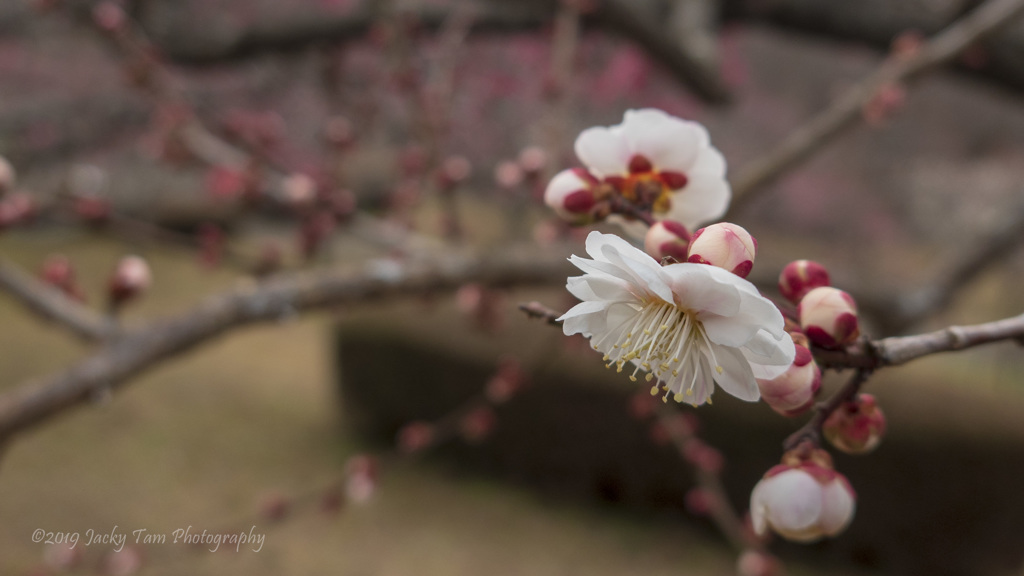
(454,171)
(508,175)
(58,272)
(571,195)
(16,209)
(108,16)
(532,159)
(478,424)
(856,427)
(724,245)
(131,277)
(274,506)
(800,277)
(415,437)
(299,191)
(802,502)
(699,501)
(756,563)
(6,175)
(361,478)
(793,392)
(667,239)
(828,317)
(339,131)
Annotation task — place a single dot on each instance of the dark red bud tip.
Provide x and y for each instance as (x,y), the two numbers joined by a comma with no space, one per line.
(675,180)
(639,164)
(579,202)
(743,268)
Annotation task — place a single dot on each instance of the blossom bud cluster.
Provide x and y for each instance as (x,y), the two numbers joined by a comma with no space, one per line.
(827,315)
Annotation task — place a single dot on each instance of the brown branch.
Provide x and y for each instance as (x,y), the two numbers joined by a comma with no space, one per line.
(871,355)
(52,304)
(139,349)
(811,431)
(537,310)
(846,110)
(965,267)
(899,350)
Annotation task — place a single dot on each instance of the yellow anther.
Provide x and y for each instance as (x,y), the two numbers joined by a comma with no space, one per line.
(654,390)
(632,378)
(719,369)
(649,377)
(665,399)
(678,397)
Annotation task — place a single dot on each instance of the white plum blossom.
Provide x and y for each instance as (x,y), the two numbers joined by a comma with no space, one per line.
(688,325)
(671,156)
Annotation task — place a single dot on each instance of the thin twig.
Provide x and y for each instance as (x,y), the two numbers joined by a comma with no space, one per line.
(139,349)
(811,431)
(52,304)
(874,354)
(721,511)
(846,110)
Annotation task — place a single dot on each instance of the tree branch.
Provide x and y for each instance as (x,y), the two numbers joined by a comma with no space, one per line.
(846,110)
(52,304)
(874,354)
(137,350)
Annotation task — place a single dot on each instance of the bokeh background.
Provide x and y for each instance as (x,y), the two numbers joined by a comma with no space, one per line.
(256,428)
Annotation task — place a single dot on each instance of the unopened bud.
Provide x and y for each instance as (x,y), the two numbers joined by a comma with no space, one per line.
(802,502)
(108,16)
(361,478)
(339,131)
(478,424)
(532,159)
(857,426)
(667,239)
(131,277)
(299,191)
(415,437)
(454,171)
(800,277)
(724,245)
(58,271)
(274,506)
(17,208)
(793,392)
(571,195)
(508,175)
(828,317)
(757,563)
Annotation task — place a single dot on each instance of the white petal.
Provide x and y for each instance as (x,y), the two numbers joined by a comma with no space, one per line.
(642,270)
(766,349)
(793,500)
(647,273)
(837,508)
(709,164)
(697,288)
(599,287)
(702,201)
(604,151)
(584,318)
(671,144)
(633,228)
(736,377)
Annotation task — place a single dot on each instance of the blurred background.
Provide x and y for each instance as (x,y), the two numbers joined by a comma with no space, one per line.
(449,434)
